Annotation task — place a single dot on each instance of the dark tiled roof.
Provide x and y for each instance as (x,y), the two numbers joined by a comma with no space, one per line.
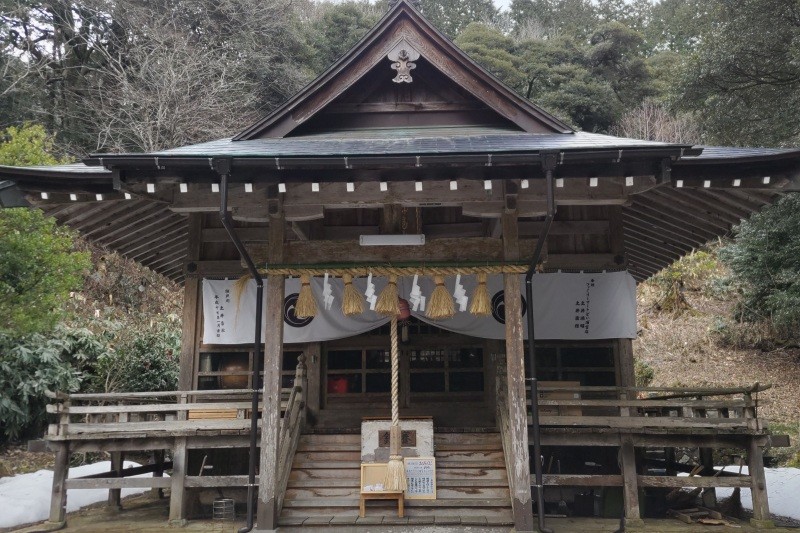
(414,141)
(728,153)
(72,168)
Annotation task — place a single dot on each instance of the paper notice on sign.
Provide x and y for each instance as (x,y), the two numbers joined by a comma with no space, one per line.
(421,477)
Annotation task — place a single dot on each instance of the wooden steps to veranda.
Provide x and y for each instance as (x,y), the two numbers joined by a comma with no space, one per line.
(472,484)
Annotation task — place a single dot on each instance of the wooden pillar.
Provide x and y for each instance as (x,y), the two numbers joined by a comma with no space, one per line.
(177,493)
(630,489)
(158,460)
(177,497)
(267,518)
(519,475)
(58,497)
(625,361)
(314,375)
(191,306)
(758,486)
(115,495)
(709,494)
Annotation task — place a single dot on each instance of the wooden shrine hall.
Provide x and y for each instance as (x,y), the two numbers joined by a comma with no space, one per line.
(407,175)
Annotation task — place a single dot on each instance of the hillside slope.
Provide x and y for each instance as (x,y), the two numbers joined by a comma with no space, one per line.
(687,337)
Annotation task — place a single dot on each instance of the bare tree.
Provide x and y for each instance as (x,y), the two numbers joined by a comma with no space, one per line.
(144,75)
(651,121)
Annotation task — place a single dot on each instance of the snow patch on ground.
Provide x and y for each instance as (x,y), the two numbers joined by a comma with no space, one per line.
(25,498)
(783,490)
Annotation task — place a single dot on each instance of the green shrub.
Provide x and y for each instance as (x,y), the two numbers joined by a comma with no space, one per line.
(690,273)
(764,259)
(29,367)
(145,361)
(38,269)
(644,373)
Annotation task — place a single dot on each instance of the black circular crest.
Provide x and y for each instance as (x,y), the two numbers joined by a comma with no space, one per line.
(499,306)
(289,317)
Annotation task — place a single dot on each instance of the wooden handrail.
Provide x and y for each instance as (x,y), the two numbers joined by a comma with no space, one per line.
(690,391)
(291,427)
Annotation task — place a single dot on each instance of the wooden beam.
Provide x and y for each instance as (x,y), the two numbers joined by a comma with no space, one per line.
(694,481)
(637,258)
(682,215)
(115,484)
(747,206)
(704,198)
(367,194)
(401,107)
(519,461)
(647,237)
(581,261)
(711,218)
(298,231)
(656,225)
(114,215)
(168,236)
(163,248)
(135,231)
(672,222)
(655,253)
(566,227)
(84,214)
(245,234)
(465,249)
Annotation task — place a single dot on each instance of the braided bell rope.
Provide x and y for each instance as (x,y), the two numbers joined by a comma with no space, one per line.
(395,374)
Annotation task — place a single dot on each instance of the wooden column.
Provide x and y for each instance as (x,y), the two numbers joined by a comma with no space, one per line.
(627,367)
(630,489)
(177,490)
(58,498)
(519,475)
(177,496)
(267,518)
(115,495)
(709,494)
(188,361)
(158,460)
(191,306)
(758,486)
(314,373)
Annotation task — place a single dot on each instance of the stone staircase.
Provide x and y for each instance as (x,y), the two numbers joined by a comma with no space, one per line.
(472,485)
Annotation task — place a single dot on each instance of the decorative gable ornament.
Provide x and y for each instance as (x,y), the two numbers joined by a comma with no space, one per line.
(402,57)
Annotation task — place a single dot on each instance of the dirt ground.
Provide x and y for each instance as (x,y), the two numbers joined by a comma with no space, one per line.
(144,514)
(683,350)
(18,460)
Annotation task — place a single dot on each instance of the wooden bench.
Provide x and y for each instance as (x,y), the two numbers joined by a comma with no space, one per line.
(372,473)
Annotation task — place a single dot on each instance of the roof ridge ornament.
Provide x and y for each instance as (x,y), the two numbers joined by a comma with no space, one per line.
(416,3)
(402,57)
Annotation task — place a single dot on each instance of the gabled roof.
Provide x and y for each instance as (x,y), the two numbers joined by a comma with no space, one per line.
(403,24)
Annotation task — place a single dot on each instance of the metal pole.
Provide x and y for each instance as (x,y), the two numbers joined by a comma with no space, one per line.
(548,164)
(223,168)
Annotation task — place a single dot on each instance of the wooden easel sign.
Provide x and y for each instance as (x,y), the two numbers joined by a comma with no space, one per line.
(421,476)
